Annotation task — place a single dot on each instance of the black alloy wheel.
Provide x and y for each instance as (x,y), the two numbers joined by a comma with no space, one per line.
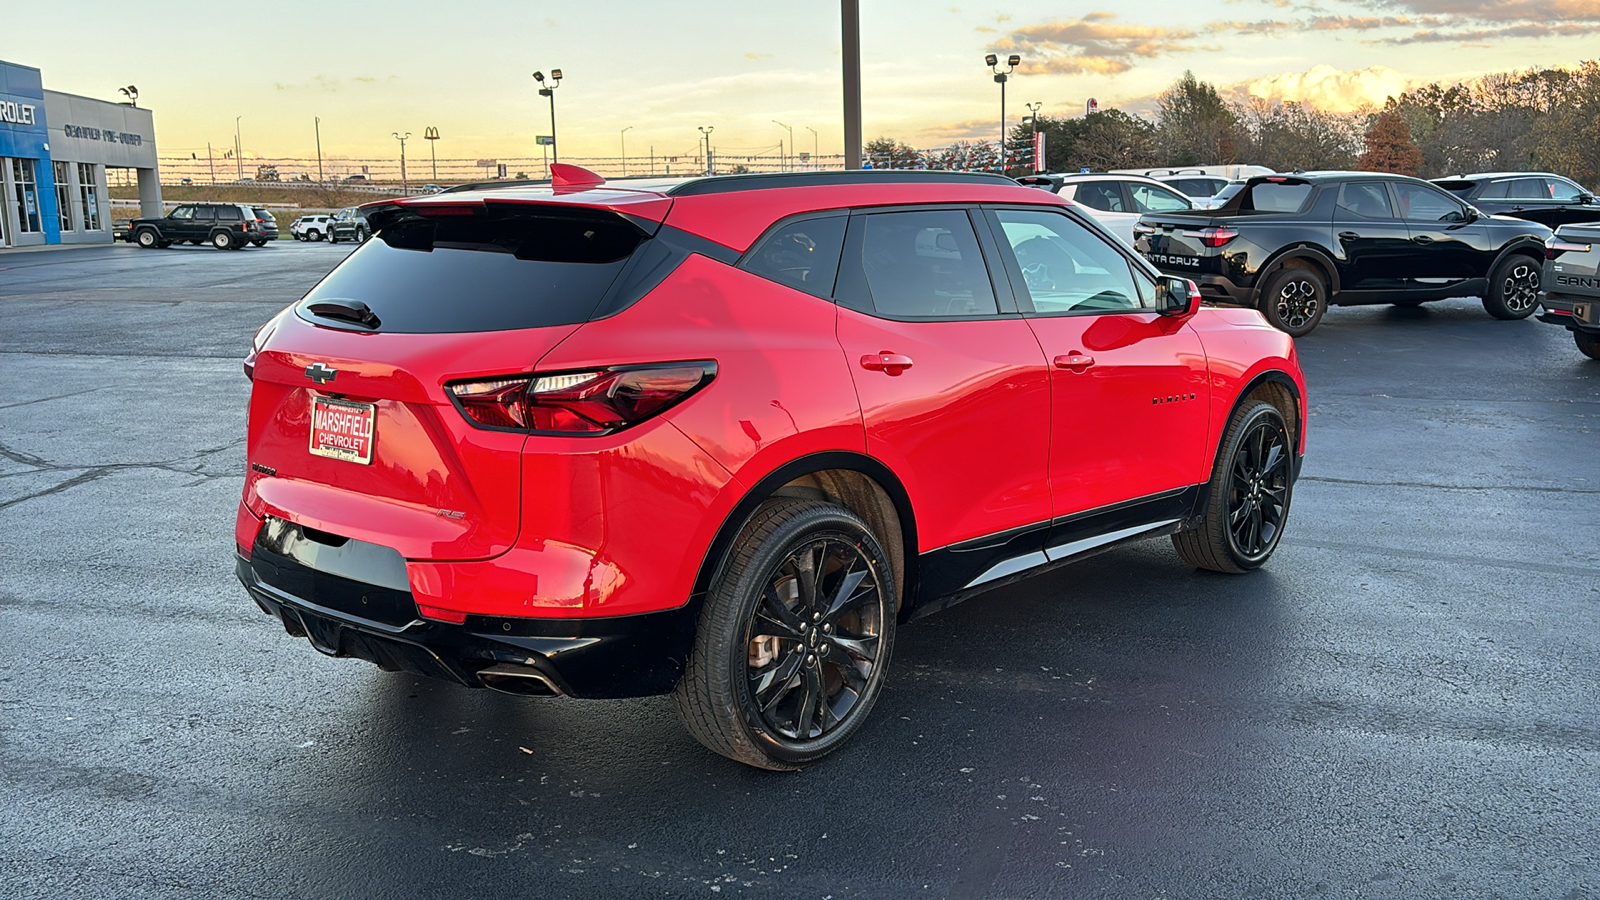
(794,640)
(1248,496)
(1293,300)
(1513,288)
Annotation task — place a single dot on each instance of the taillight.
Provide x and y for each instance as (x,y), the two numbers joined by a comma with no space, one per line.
(1554,247)
(598,401)
(257,343)
(1213,236)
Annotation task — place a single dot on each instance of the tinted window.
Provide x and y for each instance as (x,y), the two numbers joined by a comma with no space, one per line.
(1367,199)
(1495,190)
(1275,197)
(183,212)
(1065,268)
(206,213)
(230,214)
(1197,187)
(1149,198)
(803,255)
(264,214)
(1527,189)
(1106,195)
(925,265)
(480,274)
(1563,190)
(1424,204)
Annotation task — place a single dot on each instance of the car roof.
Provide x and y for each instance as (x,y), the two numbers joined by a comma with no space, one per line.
(1480,176)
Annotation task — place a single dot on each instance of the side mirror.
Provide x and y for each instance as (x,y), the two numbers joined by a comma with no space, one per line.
(1177,297)
(1585,198)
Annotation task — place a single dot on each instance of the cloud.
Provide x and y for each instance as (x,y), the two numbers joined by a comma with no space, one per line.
(329,85)
(758,56)
(1500,32)
(1328,88)
(1095,43)
(1502,10)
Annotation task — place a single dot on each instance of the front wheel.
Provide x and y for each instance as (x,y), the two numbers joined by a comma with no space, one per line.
(1293,300)
(146,239)
(1247,501)
(222,240)
(1588,343)
(1513,288)
(794,639)
(361,236)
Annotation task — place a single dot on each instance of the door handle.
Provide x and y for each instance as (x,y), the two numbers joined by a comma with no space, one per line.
(1349,235)
(886,362)
(1423,239)
(1075,361)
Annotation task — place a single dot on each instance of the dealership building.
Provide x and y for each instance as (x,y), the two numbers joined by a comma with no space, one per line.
(54,152)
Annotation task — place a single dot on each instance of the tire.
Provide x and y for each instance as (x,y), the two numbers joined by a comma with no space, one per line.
(764,684)
(1293,300)
(313,235)
(333,237)
(1513,288)
(1407,304)
(146,239)
(361,235)
(259,243)
(222,240)
(1252,482)
(196,243)
(1588,343)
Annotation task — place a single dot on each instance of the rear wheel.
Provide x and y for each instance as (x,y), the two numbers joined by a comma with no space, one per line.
(1588,343)
(1293,300)
(260,243)
(1248,499)
(1513,288)
(222,240)
(794,639)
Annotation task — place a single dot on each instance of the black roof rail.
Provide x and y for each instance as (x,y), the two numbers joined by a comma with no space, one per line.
(722,184)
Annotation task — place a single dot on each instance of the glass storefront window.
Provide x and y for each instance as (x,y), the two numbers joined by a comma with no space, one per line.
(63,179)
(26,187)
(89,196)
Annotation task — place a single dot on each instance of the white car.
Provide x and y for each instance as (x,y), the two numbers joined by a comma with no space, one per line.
(1115,201)
(310,228)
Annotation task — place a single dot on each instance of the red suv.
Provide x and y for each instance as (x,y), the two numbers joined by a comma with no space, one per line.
(717,437)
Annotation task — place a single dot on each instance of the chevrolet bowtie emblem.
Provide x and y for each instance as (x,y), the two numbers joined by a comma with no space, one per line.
(320,373)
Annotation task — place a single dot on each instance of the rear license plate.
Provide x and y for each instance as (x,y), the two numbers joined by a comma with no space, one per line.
(1586,313)
(342,429)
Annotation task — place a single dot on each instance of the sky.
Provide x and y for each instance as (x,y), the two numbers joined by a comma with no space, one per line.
(661,70)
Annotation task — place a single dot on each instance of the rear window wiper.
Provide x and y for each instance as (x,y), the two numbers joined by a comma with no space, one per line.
(345,311)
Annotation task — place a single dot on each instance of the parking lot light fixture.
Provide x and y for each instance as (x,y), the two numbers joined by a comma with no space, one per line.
(550,91)
(1001,78)
(814,144)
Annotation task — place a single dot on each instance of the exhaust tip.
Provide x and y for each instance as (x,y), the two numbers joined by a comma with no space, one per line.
(525,681)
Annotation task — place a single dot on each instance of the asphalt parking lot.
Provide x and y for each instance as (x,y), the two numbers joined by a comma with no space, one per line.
(1404,703)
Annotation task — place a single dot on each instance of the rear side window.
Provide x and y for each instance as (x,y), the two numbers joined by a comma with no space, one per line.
(229,214)
(1269,196)
(472,273)
(925,265)
(1527,189)
(803,254)
(1102,195)
(1495,190)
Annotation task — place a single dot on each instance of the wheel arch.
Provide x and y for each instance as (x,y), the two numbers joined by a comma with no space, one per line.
(855,481)
(1524,245)
(1281,390)
(1303,256)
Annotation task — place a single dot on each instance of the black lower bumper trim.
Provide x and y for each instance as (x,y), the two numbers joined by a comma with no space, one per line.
(616,656)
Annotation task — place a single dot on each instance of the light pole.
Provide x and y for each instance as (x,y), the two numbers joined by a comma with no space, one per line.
(850,45)
(132,93)
(1001,78)
(555,82)
(1033,117)
(318,126)
(706,130)
(405,186)
(791,142)
(623,137)
(238,147)
(813,146)
(431,134)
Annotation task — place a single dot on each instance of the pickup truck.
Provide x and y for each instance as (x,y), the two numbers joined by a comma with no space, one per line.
(1571,297)
(1291,245)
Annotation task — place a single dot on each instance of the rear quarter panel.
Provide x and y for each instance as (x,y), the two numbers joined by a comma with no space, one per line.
(1241,348)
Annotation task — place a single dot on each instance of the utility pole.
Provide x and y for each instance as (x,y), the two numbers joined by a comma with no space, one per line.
(623,136)
(405,186)
(780,144)
(850,16)
(431,134)
(211,163)
(706,130)
(319,148)
(238,147)
(814,145)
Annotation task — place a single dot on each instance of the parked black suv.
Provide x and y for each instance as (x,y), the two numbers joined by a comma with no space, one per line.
(226,226)
(1290,245)
(1536,196)
(349,224)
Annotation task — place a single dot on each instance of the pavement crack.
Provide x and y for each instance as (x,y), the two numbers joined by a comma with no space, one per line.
(1451,487)
(48,399)
(70,483)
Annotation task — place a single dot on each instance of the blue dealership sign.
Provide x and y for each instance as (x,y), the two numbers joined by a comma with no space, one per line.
(24,136)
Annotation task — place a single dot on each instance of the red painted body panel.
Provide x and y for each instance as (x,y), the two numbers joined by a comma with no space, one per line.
(733,220)
(966,427)
(1124,426)
(1240,346)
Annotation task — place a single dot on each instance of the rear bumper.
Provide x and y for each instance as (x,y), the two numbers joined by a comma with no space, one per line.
(620,656)
(1221,289)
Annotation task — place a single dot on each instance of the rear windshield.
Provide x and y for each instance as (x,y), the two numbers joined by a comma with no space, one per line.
(480,274)
(1268,196)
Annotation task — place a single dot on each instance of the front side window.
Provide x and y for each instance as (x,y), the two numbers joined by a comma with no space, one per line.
(1424,204)
(1149,198)
(89,196)
(1564,190)
(803,254)
(184,213)
(925,265)
(1067,269)
(1101,195)
(1367,199)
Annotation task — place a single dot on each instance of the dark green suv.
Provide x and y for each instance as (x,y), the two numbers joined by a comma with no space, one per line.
(226,226)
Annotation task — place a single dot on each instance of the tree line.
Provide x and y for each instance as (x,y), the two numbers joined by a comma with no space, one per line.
(1540,119)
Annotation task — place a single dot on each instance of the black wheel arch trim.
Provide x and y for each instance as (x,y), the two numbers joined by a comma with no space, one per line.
(763,490)
(1534,247)
(1274,376)
(1300,251)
